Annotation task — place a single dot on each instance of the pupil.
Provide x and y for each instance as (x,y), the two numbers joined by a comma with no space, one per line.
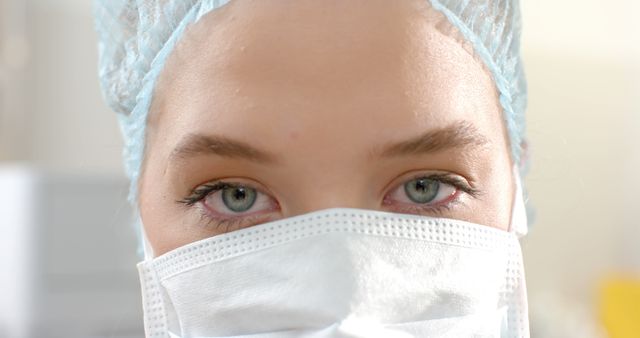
(239,194)
(422,190)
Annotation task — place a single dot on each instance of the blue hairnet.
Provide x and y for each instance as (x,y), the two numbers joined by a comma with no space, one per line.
(136,36)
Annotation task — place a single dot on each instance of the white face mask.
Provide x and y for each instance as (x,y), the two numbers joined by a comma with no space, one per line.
(343,273)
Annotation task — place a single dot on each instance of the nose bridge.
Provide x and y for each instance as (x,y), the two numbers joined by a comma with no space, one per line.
(321,172)
(325,204)
(314,195)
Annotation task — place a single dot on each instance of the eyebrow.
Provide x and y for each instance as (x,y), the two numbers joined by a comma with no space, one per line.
(197,144)
(457,135)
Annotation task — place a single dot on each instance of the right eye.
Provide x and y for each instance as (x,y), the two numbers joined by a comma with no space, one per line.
(235,200)
(226,201)
(238,199)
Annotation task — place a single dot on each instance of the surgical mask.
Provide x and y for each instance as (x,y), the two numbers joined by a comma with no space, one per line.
(343,272)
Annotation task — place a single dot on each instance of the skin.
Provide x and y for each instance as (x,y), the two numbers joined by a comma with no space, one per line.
(322,87)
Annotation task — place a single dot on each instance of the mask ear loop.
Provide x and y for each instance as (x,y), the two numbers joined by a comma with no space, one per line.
(519,223)
(144,241)
(148,251)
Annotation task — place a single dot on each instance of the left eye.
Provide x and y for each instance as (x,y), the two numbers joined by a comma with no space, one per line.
(237,200)
(423,191)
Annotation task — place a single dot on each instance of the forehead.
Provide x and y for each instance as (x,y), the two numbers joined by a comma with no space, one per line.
(363,69)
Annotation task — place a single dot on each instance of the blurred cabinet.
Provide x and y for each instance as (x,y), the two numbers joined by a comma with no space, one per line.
(67,257)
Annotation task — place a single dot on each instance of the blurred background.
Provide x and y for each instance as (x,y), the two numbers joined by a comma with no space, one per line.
(68,253)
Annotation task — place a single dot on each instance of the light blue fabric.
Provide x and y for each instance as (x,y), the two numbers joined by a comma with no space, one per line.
(136,36)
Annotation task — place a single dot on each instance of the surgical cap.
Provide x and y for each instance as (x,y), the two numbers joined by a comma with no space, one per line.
(136,37)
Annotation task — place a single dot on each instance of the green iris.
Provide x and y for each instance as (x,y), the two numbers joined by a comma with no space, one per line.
(239,199)
(422,190)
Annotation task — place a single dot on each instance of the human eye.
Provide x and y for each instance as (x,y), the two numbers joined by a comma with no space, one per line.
(231,205)
(428,193)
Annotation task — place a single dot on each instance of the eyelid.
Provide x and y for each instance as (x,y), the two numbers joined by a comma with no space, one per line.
(220,215)
(212,218)
(456,180)
(231,181)
(458,183)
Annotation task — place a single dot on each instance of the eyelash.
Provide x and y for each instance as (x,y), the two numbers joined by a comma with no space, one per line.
(440,208)
(227,223)
(201,192)
(204,190)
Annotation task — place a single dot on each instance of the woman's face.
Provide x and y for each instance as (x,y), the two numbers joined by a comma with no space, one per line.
(267,110)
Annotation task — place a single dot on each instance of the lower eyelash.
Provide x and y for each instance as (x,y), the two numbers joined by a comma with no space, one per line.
(217,224)
(228,224)
(437,209)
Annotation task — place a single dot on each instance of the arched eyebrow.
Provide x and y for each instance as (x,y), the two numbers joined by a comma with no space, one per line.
(197,145)
(457,135)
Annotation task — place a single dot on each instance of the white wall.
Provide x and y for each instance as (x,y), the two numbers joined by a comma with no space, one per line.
(582,62)
(52,119)
(55,118)
(13,62)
